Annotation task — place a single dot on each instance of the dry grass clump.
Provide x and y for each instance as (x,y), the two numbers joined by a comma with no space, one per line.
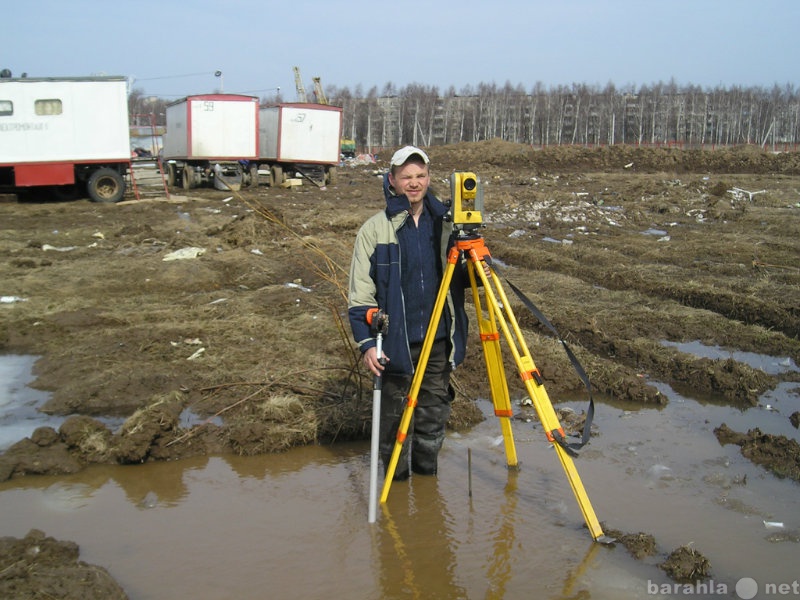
(282,408)
(276,424)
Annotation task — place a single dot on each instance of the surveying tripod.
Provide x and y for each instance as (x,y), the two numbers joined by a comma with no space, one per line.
(466,191)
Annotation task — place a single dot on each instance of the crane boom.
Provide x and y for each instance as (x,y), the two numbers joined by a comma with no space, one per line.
(298,84)
(319,92)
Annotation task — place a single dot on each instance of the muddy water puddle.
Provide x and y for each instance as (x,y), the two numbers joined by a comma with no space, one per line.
(295,524)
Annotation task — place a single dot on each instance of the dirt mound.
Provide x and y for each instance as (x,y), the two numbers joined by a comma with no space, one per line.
(776,453)
(38,566)
(684,564)
(492,155)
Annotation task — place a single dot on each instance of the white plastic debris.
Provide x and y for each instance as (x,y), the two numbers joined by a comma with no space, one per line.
(739,193)
(197,354)
(46,247)
(660,472)
(11,299)
(184,253)
(297,286)
(773,524)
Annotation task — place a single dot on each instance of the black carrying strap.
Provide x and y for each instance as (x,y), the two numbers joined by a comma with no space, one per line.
(587,425)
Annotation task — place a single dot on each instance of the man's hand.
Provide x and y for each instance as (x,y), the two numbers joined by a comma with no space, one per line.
(370,358)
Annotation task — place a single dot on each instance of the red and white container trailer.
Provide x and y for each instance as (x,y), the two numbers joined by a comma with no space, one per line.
(210,138)
(64,136)
(301,137)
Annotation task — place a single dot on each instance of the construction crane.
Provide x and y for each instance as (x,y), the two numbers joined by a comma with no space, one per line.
(298,83)
(321,97)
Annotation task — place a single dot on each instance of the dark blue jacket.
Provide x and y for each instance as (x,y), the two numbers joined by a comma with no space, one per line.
(375,275)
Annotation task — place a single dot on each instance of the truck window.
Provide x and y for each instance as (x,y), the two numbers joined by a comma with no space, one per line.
(48,107)
(6,108)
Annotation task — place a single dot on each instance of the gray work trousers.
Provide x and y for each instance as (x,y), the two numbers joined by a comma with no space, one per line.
(426,431)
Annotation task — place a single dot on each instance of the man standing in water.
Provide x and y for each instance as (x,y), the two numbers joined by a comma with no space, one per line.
(399,257)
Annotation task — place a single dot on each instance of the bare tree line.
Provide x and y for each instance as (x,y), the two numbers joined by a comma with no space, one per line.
(657,114)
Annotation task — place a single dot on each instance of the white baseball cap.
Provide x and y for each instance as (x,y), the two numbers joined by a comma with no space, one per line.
(401,156)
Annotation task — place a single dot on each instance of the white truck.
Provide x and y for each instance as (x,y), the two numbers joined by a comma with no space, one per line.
(300,137)
(64,136)
(210,138)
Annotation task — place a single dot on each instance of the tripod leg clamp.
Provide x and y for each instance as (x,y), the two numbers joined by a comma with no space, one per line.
(534,374)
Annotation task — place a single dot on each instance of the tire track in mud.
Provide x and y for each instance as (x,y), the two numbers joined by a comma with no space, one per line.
(620,306)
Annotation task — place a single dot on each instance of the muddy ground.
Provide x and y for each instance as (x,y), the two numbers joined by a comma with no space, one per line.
(245,327)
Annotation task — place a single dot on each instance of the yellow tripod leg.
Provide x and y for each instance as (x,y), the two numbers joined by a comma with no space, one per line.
(538,395)
(541,402)
(490,341)
(525,365)
(422,364)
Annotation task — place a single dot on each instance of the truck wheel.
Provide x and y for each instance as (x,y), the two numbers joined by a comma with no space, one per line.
(188,177)
(330,176)
(169,173)
(277,175)
(254,175)
(105,185)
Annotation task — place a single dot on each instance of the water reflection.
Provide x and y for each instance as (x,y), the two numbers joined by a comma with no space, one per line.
(142,487)
(415,545)
(499,567)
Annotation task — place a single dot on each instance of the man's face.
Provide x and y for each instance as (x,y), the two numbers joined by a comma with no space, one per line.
(412,179)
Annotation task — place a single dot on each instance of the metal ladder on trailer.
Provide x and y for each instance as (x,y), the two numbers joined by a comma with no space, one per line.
(159,167)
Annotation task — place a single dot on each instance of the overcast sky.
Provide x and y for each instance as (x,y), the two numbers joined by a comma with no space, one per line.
(173,48)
